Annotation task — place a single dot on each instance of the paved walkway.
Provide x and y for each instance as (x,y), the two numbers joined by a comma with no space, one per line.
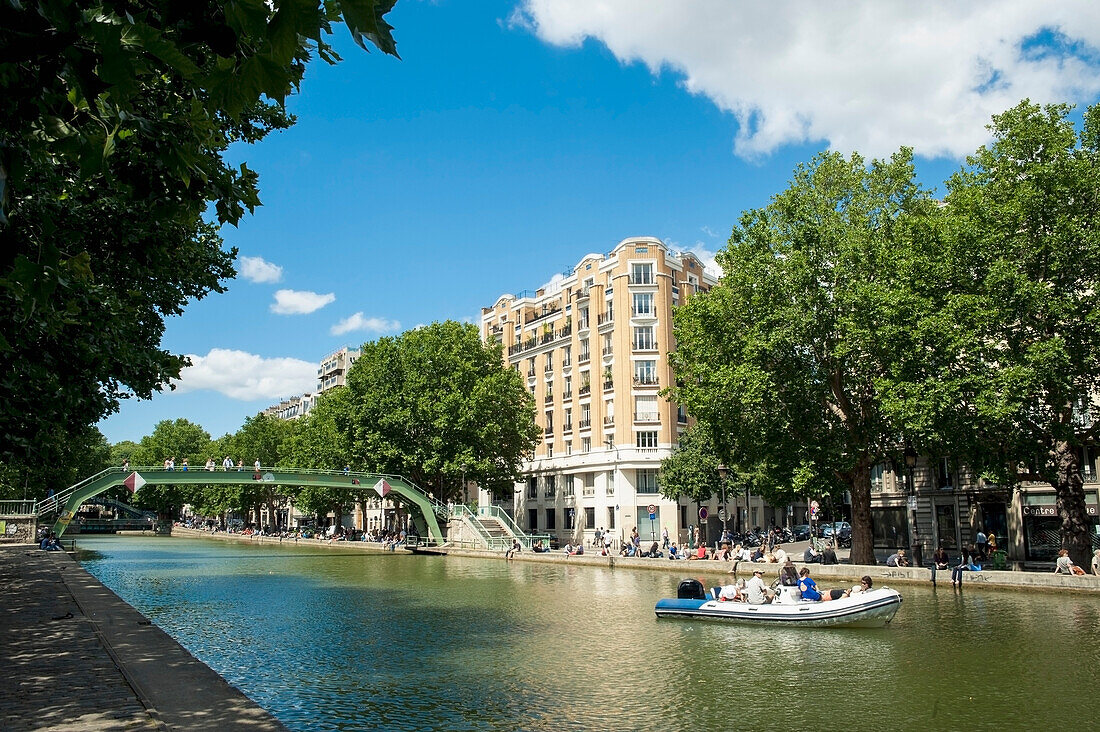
(76,657)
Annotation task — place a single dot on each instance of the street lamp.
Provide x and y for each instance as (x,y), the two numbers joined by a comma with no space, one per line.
(911,463)
(723,473)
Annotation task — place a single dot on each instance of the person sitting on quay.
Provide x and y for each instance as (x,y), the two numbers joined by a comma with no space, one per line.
(780,554)
(700,552)
(1096,562)
(723,554)
(828,556)
(672,551)
(811,555)
(807,586)
(940,561)
(897,559)
(578,549)
(755,589)
(1065,565)
(654,551)
(757,555)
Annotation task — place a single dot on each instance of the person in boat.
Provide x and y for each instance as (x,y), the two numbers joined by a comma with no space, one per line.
(807,586)
(788,575)
(756,591)
(732,593)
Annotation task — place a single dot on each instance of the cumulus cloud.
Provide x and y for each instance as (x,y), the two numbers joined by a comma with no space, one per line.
(359,322)
(299,302)
(700,250)
(866,75)
(246,376)
(554,285)
(258,269)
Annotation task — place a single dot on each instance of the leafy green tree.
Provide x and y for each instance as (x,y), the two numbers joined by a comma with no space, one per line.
(692,470)
(179,439)
(1007,373)
(783,358)
(323,440)
(263,438)
(437,405)
(114,123)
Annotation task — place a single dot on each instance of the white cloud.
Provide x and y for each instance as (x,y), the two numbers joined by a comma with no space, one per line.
(700,250)
(554,285)
(299,302)
(359,322)
(246,376)
(258,269)
(866,75)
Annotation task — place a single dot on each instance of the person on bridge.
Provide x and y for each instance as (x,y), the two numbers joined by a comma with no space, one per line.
(227,464)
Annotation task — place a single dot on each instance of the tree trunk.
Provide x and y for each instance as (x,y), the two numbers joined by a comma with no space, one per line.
(1070,489)
(859,485)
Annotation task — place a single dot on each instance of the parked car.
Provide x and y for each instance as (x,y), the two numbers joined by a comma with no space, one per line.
(801,532)
(839,526)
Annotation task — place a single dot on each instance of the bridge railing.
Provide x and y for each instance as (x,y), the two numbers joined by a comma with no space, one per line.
(18,508)
(54,503)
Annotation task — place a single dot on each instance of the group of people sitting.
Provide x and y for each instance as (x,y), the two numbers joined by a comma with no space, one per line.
(756,592)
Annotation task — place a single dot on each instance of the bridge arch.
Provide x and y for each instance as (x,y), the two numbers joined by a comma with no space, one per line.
(423,508)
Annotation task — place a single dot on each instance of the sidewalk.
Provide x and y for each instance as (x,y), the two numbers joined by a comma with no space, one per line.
(79,658)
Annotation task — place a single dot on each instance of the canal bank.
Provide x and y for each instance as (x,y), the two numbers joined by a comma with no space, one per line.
(716,571)
(79,658)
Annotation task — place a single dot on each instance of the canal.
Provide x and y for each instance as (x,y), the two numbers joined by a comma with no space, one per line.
(344,641)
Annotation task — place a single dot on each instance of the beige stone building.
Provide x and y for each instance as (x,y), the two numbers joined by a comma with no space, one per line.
(592,346)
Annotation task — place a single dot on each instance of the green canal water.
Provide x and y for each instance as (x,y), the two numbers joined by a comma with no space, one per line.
(330,640)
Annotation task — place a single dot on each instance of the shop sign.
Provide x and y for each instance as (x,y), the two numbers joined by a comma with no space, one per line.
(1052,510)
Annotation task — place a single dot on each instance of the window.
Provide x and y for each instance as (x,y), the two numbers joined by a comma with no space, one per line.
(567,485)
(610,310)
(549,360)
(549,487)
(646,439)
(608,347)
(645,372)
(643,303)
(530,367)
(643,339)
(582,318)
(586,417)
(549,423)
(532,519)
(647,479)
(876,476)
(943,474)
(609,412)
(568,419)
(568,447)
(641,273)
(590,516)
(551,519)
(586,444)
(589,480)
(645,409)
(610,517)
(566,353)
(532,487)
(584,351)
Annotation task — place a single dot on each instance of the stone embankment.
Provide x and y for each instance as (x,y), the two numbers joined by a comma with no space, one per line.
(76,657)
(707,568)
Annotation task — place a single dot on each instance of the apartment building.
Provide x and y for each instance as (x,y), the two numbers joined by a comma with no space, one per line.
(592,346)
(333,371)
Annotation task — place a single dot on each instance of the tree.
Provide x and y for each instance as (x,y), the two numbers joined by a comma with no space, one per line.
(437,405)
(1010,370)
(115,119)
(261,437)
(180,439)
(692,470)
(323,440)
(783,357)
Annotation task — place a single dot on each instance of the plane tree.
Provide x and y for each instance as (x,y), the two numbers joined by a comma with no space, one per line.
(1006,375)
(784,356)
(115,120)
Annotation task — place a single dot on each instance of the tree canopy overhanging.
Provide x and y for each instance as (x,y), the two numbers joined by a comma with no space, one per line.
(114,122)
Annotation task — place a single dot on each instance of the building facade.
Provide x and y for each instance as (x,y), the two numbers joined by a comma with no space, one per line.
(592,347)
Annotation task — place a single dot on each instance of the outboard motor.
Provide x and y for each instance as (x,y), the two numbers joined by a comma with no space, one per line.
(691,589)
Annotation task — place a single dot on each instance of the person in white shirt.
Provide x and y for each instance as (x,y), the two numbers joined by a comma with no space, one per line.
(755,589)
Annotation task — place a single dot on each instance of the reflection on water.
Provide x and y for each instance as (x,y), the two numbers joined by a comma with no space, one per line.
(335,641)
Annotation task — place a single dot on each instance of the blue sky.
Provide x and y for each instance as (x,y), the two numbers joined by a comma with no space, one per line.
(512,138)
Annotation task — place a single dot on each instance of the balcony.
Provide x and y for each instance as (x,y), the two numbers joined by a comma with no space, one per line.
(647,417)
(647,380)
(582,324)
(548,432)
(605,318)
(568,427)
(549,399)
(643,279)
(585,390)
(585,424)
(565,332)
(609,419)
(567,394)
(645,345)
(609,384)
(530,373)
(547,310)
(608,350)
(643,312)
(583,358)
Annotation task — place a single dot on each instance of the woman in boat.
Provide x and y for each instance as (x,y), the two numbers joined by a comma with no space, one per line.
(807,586)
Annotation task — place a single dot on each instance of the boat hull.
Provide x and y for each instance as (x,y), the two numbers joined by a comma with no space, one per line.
(874,609)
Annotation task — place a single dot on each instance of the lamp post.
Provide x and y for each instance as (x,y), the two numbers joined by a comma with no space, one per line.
(914,548)
(723,472)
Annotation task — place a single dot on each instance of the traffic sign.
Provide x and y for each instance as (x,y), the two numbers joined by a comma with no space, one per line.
(653,508)
(703,513)
(722,514)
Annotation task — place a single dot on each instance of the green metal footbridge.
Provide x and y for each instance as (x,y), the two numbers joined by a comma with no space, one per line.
(426,511)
